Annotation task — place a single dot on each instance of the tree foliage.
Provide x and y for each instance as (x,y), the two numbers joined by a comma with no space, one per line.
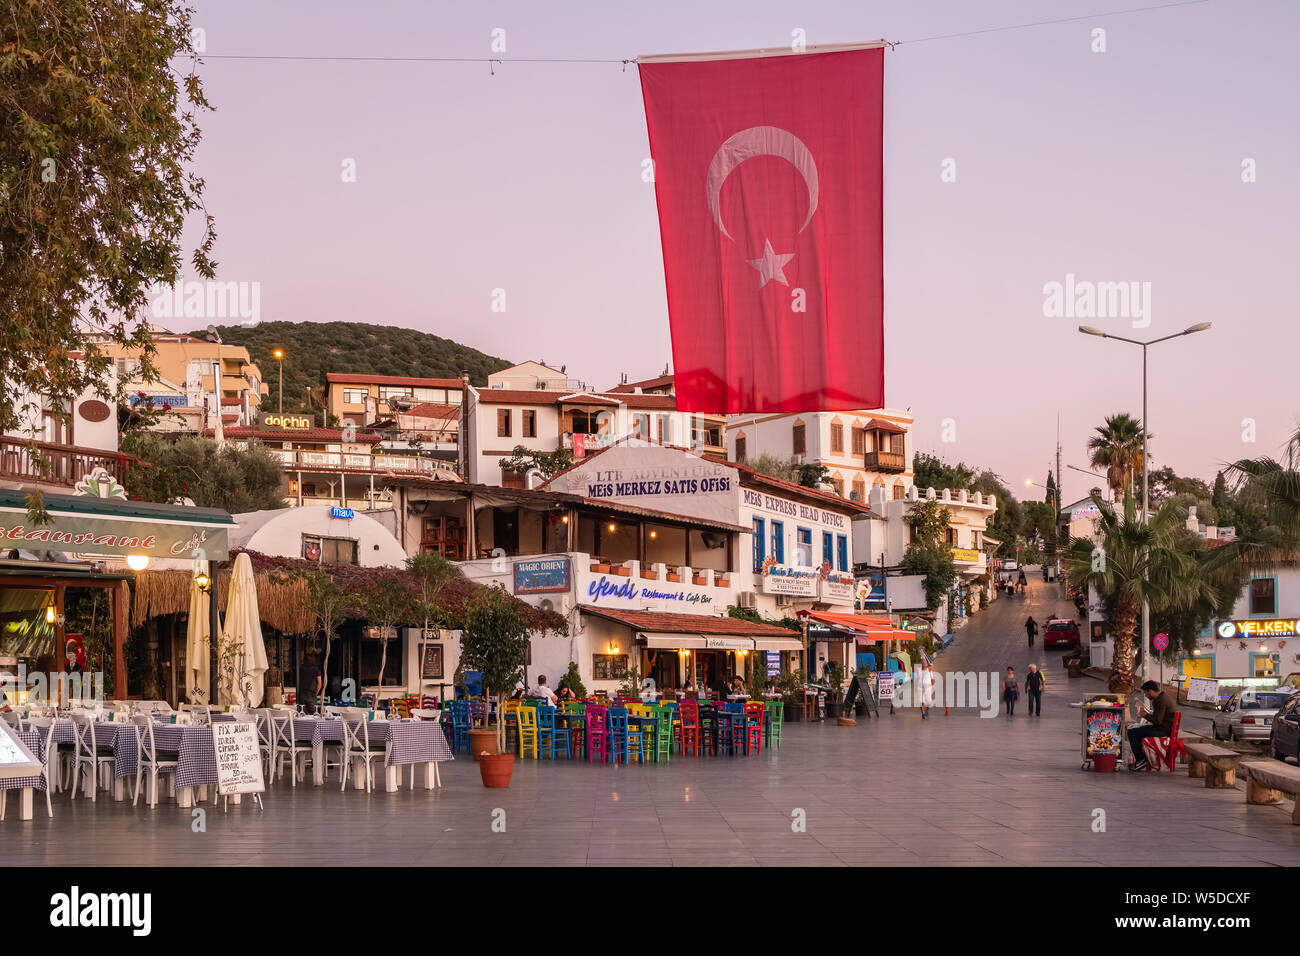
(549,463)
(494,641)
(95,148)
(228,477)
(935,561)
(1117,447)
(313,348)
(808,475)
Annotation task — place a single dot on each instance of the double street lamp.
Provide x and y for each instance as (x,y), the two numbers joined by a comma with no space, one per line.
(1089,330)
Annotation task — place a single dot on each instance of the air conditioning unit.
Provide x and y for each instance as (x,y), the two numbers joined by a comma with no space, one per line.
(748,599)
(783,600)
(560,605)
(798,459)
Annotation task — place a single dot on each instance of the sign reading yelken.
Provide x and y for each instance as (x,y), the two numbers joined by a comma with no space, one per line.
(1272,627)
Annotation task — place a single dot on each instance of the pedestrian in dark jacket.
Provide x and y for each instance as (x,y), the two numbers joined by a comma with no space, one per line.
(1034,685)
(1031,628)
(1010,691)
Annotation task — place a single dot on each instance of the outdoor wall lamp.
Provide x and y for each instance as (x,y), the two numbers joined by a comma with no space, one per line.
(203,581)
(50,615)
(612,648)
(137,562)
(1263,648)
(613,527)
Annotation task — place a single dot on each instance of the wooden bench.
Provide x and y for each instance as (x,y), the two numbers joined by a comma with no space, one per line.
(1217,765)
(1267,780)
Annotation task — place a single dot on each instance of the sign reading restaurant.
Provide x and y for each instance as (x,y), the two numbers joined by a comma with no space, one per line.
(1272,627)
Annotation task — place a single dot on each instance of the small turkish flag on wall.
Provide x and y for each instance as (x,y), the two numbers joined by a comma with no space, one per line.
(768,181)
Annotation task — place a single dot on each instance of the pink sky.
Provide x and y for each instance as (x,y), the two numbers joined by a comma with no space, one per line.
(1115,166)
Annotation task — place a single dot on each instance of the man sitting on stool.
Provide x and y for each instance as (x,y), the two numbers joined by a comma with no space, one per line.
(1162,722)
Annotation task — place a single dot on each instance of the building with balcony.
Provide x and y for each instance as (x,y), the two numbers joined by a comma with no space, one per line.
(337,467)
(642,586)
(367,399)
(494,421)
(50,451)
(862,451)
(194,369)
(702,433)
(882,539)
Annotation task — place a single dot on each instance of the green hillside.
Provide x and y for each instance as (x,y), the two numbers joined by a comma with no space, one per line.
(313,348)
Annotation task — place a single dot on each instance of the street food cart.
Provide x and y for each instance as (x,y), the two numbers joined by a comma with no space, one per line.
(1102,733)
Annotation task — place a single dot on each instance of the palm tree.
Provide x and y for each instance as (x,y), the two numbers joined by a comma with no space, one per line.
(1275,486)
(1117,447)
(1130,562)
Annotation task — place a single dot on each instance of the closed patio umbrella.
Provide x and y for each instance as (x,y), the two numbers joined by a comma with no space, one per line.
(197,647)
(241,664)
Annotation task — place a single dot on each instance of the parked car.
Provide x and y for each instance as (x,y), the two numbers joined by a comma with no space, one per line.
(1291,680)
(1249,715)
(1061,632)
(1284,741)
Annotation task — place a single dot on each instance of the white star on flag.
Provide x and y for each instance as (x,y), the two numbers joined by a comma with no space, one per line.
(771,266)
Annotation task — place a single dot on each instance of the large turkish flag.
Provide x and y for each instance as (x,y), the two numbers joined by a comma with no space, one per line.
(768,180)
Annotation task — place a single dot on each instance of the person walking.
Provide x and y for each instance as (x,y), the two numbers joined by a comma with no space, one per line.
(1031,628)
(925,688)
(1010,691)
(1034,685)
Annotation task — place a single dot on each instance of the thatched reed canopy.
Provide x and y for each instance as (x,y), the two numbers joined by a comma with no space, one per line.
(282,599)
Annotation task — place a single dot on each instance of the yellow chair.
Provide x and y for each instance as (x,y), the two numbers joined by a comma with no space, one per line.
(528,731)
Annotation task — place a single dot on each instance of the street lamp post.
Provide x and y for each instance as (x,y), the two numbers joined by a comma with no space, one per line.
(279,358)
(217,432)
(1089,330)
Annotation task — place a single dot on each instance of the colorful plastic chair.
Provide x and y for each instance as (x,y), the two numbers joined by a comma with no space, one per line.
(597,732)
(551,737)
(528,732)
(753,727)
(775,719)
(689,739)
(617,735)
(663,743)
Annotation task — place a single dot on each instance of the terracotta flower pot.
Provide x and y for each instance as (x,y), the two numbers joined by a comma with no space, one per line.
(674,577)
(623,572)
(722,582)
(496,769)
(482,742)
(600,569)
(699,580)
(650,575)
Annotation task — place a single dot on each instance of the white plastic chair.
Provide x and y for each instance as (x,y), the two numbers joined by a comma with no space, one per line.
(147,759)
(89,755)
(287,743)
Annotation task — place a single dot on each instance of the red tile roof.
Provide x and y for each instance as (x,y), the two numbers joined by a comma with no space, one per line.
(512,396)
(663,381)
(365,378)
(433,410)
(881,425)
(662,402)
(750,476)
(690,623)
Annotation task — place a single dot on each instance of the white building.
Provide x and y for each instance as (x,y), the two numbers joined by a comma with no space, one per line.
(862,451)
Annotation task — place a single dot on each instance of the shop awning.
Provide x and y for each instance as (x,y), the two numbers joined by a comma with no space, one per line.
(83,524)
(665,630)
(778,644)
(867,628)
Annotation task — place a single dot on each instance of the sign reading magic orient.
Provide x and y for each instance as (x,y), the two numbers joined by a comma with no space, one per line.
(83,524)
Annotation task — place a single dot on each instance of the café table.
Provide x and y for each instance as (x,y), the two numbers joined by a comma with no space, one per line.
(196,761)
(420,744)
(640,723)
(33,740)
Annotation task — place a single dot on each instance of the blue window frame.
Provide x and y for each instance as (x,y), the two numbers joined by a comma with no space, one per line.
(778,541)
(759,544)
(803,547)
(842,551)
(828,548)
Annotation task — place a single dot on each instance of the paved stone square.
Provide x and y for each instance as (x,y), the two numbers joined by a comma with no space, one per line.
(948,791)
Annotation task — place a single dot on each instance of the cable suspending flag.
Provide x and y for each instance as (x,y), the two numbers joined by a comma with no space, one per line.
(768,181)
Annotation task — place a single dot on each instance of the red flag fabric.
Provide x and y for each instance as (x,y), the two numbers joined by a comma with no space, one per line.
(769,187)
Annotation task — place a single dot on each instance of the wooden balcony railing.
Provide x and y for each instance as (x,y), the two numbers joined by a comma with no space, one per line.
(53,464)
(885,461)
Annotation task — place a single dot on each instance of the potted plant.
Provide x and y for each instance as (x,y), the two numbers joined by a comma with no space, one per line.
(699,579)
(573,680)
(791,685)
(599,567)
(674,576)
(834,696)
(631,686)
(649,575)
(494,642)
(622,570)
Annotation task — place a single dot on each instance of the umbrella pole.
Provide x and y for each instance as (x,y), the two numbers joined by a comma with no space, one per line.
(214,632)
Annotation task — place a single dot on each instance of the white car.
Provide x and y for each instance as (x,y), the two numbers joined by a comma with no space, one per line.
(1249,715)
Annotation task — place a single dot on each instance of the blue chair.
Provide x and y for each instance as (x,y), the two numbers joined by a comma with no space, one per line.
(550,736)
(617,735)
(460,726)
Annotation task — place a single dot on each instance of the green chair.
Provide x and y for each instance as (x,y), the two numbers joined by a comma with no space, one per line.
(775,718)
(663,743)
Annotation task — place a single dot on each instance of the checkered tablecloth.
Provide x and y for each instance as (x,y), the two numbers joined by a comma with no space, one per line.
(33,740)
(413,741)
(196,762)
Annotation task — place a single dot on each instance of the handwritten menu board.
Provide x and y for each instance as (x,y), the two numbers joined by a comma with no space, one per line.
(239,760)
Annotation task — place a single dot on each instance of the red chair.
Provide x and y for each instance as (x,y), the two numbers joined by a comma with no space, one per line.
(689,712)
(596,734)
(754,726)
(1165,750)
